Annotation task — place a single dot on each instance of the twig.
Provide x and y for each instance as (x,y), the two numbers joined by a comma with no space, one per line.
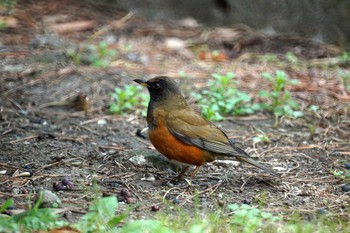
(7,131)
(114,24)
(112,147)
(54,163)
(132,190)
(167,192)
(8,166)
(24,139)
(320,180)
(213,188)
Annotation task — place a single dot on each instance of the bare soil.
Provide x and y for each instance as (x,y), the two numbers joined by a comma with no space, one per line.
(43,131)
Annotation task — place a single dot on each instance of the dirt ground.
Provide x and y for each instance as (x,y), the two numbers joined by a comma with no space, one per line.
(43,140)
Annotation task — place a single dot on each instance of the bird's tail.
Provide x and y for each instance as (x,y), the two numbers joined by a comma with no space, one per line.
(256,164)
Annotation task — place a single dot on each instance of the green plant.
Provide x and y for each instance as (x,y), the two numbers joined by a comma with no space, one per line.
(269,58)
(313,123)
(2,25)
(178,219)
(345,57)
(103,55)
(223,98)
(182,73)
(345,176)
(127,99)
(101,216)
(146,225)
(7,223)
(262,137)
(33,219)
(248,219)
(280,99)
(211,112)
(292,58)
(7,7)
(98,56)
(345,76)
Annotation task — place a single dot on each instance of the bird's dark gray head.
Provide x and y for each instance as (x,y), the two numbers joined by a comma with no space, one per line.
(160,88)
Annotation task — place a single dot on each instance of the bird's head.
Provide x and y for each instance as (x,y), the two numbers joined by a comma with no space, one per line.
(160,88)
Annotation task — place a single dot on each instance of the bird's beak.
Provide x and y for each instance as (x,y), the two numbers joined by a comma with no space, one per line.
(141,82)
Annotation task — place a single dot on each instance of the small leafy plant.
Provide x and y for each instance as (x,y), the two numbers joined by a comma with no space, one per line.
(223,98)
(2,25)
(249,219)
(98,56)
(342,175)
(292,58)
(7,7)
(279,99)
(127,99)
(261,137)
(34,219)
(102,56)
(345,57)
(345,76)
(101,216)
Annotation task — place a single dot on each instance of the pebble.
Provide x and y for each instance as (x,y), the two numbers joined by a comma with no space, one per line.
(102,122)
(175,43)
(65,181)
(132,57)
(155,208)
(14,68)
(176,201)
(15,191)
(130,200)
(44,41)
(247,202)
(188,22)
(57,186)
(22,174)
(345,188)
(115,185)
(24,191)
(125,196)
(48,198)
(149,177)
(279,169)
(226,163)
(28,167)
(138,160)
(347,166)
(125,192)
(140,134)
(321,211)
(221,203)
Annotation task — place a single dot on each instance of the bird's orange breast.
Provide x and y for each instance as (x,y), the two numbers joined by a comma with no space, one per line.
(174,149)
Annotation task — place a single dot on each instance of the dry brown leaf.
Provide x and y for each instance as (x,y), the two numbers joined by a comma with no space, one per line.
(75,26)
(9,21)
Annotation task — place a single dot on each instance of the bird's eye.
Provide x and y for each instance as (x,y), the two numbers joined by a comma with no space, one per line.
(156,85)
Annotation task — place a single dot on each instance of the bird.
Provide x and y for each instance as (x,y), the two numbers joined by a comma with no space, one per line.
(182,134)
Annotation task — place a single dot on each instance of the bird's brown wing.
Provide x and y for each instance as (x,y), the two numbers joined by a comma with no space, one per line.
(191,128)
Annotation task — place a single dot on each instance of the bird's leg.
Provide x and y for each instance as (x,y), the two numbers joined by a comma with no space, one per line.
(195,171)
(182,173)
